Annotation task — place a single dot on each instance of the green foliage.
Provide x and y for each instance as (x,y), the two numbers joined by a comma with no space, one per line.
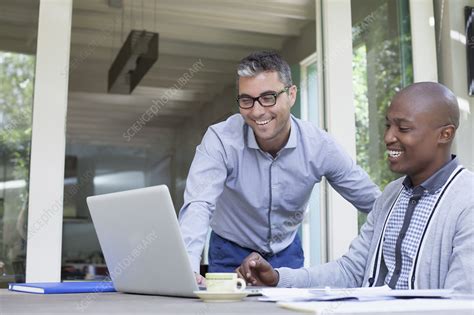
(382,66)
(16,97)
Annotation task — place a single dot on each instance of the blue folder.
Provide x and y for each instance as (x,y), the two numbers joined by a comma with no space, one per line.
(63,287)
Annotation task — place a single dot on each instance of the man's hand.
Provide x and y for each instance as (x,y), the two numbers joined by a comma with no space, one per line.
(200,280)
(257,271)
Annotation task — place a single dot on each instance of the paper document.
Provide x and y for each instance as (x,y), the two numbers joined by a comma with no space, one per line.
(361,294)
(284,294)
(399,306)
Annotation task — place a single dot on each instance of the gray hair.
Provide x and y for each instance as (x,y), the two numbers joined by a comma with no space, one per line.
(263,61)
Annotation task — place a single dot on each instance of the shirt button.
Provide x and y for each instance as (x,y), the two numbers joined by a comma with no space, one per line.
(413,202)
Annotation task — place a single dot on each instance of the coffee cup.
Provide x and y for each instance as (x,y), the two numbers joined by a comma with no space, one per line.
(224,282)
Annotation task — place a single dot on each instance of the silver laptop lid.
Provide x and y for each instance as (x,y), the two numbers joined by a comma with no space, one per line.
(139,235)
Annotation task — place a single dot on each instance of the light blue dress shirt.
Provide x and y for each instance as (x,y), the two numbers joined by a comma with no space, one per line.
(258,201)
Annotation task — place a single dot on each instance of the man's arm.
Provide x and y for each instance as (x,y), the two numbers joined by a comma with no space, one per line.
(460,275)
(204,185)
(349,179)
(347,271)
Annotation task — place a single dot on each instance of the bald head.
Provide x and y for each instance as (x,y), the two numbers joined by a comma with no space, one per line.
(421,124)
(434,99)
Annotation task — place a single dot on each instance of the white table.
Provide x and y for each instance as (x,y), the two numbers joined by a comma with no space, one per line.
(119,303)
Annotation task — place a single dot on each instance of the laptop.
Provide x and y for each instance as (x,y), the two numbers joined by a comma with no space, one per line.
(141,241)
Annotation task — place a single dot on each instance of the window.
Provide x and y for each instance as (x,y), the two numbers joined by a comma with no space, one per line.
(17,74)
(16,94)
(382,65)
(311,111)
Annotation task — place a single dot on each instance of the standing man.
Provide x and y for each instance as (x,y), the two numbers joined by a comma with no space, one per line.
(420,233)
(253,174)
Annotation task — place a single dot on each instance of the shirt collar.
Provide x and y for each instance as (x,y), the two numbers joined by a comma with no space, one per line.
(291,143)
(437,180)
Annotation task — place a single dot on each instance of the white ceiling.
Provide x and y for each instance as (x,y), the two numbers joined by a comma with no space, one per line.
(217,32)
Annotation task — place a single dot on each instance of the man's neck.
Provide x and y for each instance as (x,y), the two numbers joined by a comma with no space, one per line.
(275,145)
(272,149)
(418,179)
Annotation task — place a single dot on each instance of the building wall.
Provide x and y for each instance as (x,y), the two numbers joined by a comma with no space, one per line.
(452,70)
(298,48)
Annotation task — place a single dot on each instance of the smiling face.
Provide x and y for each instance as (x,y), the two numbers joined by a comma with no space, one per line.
(417,136)
(271,125)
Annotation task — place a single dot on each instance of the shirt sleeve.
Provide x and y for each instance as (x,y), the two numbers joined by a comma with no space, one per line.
(204,185)
(345,272)
(461,262)
(349,179)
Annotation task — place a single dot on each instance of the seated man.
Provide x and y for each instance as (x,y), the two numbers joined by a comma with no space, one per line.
(420,232)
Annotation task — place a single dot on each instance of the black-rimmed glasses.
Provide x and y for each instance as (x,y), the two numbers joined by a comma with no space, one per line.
(266,99)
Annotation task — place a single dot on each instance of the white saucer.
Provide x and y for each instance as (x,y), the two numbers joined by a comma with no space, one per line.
(220,296)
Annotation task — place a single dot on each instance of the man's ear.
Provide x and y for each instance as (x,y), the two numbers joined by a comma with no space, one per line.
(292,94)
(447,134)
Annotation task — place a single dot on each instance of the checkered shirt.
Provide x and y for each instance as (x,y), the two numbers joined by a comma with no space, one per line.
(413,235)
